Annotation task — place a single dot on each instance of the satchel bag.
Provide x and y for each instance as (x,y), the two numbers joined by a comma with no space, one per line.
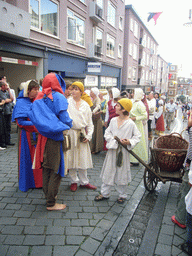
(66,142)
(96,116)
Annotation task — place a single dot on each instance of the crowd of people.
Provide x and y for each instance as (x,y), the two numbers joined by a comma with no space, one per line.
(61,125)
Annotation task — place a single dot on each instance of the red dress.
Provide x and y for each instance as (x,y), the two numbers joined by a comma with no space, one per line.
(112,112)
(160,124)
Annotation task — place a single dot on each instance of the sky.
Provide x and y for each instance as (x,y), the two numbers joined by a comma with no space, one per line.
(174,39)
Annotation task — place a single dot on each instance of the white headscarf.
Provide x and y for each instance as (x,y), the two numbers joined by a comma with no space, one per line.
(160,102)
(87,92)
(138,94)
(115,93)
(95,90)
(24,86)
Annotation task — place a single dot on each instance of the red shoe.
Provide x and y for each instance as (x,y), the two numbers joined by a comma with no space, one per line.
(89,186)
(73,187)
(176,222)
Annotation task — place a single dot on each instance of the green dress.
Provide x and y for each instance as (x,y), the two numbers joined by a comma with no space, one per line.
(139,111)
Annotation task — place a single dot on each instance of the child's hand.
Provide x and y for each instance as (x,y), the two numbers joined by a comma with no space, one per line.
(125,142)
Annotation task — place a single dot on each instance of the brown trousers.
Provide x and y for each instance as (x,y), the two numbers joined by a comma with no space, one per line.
(51,183)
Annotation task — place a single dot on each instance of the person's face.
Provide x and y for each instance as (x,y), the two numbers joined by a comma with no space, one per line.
(118,109)
(101,95)
(76,92)
(33,93)
(110,95)
(171,101)
(150,96)
(4,87)
(92,94)
(68,92)
(4,79)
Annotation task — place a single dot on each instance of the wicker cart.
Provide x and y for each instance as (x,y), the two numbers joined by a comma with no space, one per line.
(166,163)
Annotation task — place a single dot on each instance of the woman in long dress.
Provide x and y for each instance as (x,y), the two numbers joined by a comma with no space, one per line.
(138,114)
(79,157)
(28,177)
(97,139)
(160,126)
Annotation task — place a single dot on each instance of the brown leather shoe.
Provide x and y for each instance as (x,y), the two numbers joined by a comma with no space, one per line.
(73,187)
(89,186)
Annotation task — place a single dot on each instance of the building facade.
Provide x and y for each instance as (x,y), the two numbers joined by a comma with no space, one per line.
(79,39)
(162,75)
(140,54)
(172,81)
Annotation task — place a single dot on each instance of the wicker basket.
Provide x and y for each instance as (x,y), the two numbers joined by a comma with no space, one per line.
(167,156)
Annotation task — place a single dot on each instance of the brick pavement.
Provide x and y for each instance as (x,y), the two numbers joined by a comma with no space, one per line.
(84,228)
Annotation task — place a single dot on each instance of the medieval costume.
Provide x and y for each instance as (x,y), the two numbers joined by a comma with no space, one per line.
(27,136)
(97,138)
(49,115)
(110,110)
(115,172)
(145,122)
(79,157)
(138,113)
(160,126)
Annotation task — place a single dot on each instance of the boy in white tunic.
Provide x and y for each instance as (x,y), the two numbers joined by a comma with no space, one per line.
(116,166)
(79,157)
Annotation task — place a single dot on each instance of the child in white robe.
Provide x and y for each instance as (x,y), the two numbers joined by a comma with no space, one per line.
(115,171)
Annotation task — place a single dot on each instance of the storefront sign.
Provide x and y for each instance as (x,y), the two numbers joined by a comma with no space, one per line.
(18,61)
(94,67)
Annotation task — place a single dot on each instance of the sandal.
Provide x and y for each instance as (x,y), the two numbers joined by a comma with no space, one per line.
(100,198)
(121,200)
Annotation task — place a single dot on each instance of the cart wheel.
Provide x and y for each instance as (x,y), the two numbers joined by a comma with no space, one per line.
(150,180)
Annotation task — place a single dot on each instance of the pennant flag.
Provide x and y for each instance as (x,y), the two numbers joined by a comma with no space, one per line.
(170,75)
(154,15)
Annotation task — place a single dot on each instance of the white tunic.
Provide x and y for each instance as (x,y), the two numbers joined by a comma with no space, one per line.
(79,157)
(111,174)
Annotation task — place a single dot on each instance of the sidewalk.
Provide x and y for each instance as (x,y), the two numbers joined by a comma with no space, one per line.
(84,228)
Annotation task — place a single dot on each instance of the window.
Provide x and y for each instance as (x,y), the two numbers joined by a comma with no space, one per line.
(110,46)
(147,59)
(76,28)
(134,71)
(136,30)
(91,81)
(172,67)
(111,14)
(44,16)
(99,39)
(100,3)
(120,51)
(129,72)
(147,75)
(144,40)
(131,25)
(148,42)
(144,57)
(135,51)
(83,1)
(131,49)
(120,23)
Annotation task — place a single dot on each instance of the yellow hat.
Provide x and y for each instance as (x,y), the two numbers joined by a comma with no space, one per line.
(126,104)
(79,84)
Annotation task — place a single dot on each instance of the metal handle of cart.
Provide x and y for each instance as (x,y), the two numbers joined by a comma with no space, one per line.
(140,160)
